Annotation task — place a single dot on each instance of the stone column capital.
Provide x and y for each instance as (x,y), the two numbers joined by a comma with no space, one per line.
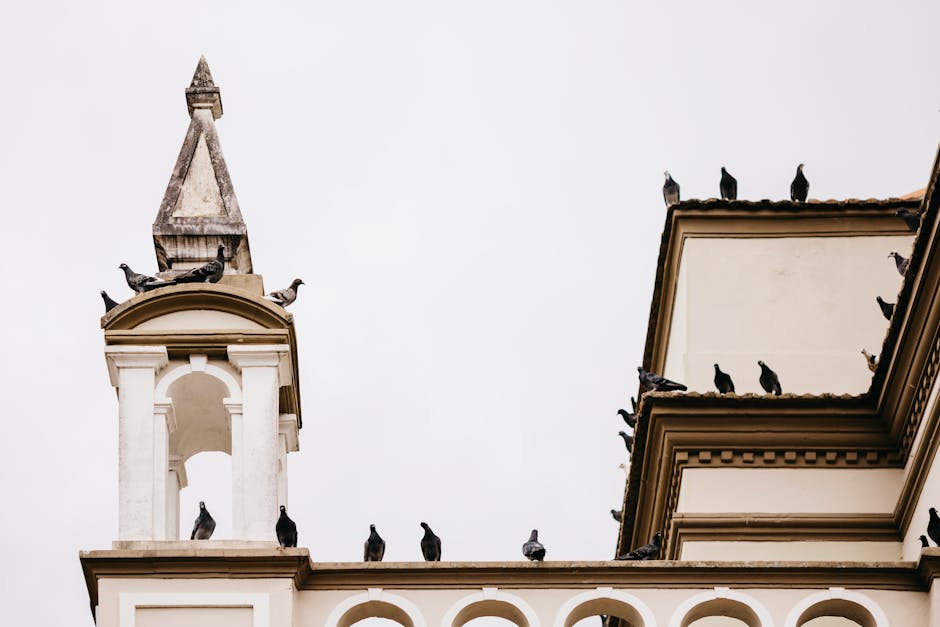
(118,357)
(262,356)
(164,408)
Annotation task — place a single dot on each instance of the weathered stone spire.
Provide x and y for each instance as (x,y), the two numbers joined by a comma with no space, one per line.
(199,209)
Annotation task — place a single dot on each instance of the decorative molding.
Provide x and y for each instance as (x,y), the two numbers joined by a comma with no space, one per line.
(260,604)
(871,615)
(518,611)
(568,615)
(375,596)
(753,610)
(118,357)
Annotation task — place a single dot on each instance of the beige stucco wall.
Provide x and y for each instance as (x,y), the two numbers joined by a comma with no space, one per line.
(547,607)
(801,550)
(804,305)
(789,490)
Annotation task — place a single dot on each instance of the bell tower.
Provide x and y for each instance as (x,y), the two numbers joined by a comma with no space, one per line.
(202,366)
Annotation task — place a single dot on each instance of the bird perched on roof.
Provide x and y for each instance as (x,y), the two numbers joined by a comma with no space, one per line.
(728,186)
(911,218)
(287,295)
(374,547)
(799,188)
(285,529)
(533,549)
(723,381)
(627,439)
(887,309)
(628,418)
(617,514)
(900,262)
(923,542)
(933,526)
(109,303)
(647,551)
(208,273)
(670,190)
(871,360)
(204,525)
(430,545)
(657,383)
(769,380)
(135,281)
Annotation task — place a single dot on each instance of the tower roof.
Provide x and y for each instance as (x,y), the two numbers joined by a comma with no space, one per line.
(199,209)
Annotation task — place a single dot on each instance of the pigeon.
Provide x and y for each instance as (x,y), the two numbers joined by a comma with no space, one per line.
(887,309)
(871,360)
(923,542)
(135,281)
(285,529)
(769,380)
(723,381)
(628,418)
(617,514)
(670,190)
(657,383)
(647,551)
(208,273)
(374,547)
(430,545)
(627,439)
(533,549)
(728,186)
(933,527)
(799,188)
(911,218)
(109,303)
(287,295)
(900,262)
(204,525)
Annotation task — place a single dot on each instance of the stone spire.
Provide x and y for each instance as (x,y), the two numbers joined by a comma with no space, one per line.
(199,209)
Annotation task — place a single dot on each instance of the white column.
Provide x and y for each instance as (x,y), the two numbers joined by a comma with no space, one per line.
(164,423)
(133,372)
(286,442)
(176,480)
(235,425)
(261,368)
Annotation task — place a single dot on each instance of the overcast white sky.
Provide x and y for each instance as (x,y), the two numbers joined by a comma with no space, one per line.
(472,193)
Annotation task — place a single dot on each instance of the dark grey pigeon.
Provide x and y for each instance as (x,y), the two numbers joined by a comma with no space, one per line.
(900,262)
(287,295)
(285,529)
(603,620)
(769,380)
(617,514)
(799,188)
(628,418)
(670,190)
(135,281)
(647,551)
(533,549)
(430,545)
(109,303)
(657,383)
(728,186)
(627,439)
(374,547)
(208,273)
(911,218)
(887,309)
(871,360)
(204,526)
(923,542)
(723,381)
(933,526)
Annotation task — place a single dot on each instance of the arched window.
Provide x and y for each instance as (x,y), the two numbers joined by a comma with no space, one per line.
(368,610)
(721,607)
(585,609)
(718,621)
(490,608)
(837,607)
(831,621)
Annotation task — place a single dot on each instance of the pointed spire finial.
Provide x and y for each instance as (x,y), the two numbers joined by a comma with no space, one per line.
(202,92)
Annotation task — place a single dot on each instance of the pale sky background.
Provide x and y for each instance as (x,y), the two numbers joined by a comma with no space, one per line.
(471,192)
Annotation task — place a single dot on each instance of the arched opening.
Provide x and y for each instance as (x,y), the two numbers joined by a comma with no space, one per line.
(490,613)
(209,479)
(489,621)
(721,612)
(589,613)
(836,613)
(201,420)
(375,614)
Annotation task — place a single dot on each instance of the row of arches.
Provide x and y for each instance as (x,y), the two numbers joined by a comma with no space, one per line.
(835,606)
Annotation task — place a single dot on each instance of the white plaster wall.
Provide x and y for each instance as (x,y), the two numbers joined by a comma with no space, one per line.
(197,320)
(801,550)
(804,305)
(789,490)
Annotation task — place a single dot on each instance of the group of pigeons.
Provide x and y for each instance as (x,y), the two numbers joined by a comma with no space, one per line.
(285,529)
(728,187)
(208,273)
(933,529)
